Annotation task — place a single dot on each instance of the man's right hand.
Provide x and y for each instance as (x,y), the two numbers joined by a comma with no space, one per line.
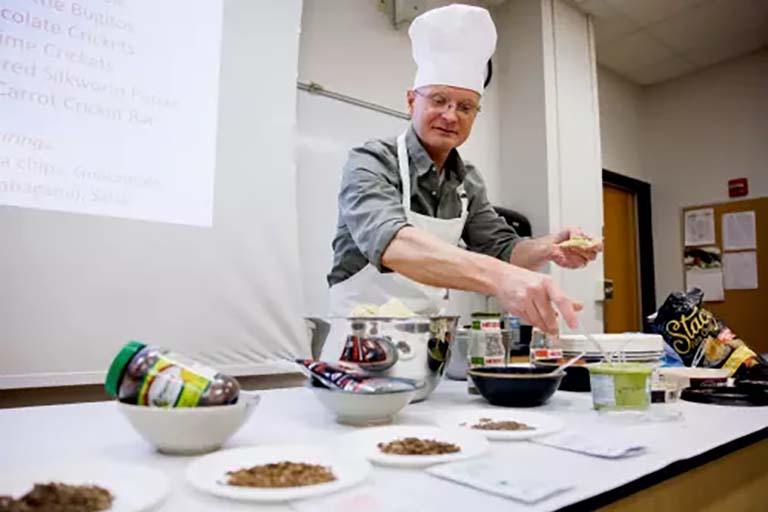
(530,295)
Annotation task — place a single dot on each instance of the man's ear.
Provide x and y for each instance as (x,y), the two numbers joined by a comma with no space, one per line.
(410,97)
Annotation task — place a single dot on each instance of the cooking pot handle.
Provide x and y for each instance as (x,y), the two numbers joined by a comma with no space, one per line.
(356,350)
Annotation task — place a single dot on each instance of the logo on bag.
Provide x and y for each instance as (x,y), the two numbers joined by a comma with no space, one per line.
(698,325)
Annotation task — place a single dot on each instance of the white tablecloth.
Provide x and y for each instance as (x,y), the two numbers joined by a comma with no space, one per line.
(97,431)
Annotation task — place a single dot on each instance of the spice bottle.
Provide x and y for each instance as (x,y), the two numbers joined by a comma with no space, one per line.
(486,347)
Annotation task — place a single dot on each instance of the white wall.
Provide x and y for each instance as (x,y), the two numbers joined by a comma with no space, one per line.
(620,126)
(687,137)
(523,124)
(699,131)
(576,193)
(550,154)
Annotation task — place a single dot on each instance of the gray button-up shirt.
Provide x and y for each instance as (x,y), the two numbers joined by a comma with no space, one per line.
(371,210)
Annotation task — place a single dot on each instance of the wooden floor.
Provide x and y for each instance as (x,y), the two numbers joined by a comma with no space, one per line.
(95,393)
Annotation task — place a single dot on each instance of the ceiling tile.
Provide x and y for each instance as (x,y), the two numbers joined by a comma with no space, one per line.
(632,52)
(609,23)
(645,12)
(744,43)
(607,31)
(660,71)
(709,23)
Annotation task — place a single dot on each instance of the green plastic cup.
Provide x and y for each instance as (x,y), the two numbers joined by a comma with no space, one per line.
(620,386)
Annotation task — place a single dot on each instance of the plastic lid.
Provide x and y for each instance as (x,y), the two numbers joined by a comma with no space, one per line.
(115,373)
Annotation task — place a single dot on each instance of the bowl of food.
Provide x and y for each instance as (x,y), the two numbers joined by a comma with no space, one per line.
(189,430)
(367,408)
(415,347)
(516,386)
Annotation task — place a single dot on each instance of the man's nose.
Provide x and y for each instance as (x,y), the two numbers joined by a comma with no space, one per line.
(449,114)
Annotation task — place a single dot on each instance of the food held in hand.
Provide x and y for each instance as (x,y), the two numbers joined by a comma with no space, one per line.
(580,241)
(416,446)
(391,308)
(489,424)
(59,497)
(281,474)
(146,375)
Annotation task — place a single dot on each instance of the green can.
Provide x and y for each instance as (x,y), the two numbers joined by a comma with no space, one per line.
(620,386)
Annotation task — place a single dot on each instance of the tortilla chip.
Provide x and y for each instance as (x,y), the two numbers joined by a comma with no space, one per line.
(582,242)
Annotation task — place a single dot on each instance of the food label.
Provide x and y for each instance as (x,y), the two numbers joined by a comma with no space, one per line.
(168,384)
(538,354)
(603,391)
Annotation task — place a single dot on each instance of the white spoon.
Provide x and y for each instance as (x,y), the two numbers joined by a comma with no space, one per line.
(568,363)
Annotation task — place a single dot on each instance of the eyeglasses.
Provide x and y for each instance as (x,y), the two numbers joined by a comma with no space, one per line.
(439,102)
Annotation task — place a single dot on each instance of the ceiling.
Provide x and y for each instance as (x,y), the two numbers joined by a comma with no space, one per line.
(650,41)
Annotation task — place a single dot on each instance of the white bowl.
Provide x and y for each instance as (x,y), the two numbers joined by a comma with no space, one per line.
(189,430)
(364,408)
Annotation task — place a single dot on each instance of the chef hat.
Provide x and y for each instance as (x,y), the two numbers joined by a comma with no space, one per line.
(452,45)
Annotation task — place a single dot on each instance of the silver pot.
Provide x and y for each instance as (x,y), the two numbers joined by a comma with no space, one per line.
(414,348)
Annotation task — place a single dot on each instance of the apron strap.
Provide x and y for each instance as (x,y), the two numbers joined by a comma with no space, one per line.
(405,171)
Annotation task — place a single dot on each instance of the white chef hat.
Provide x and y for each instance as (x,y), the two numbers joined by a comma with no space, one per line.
(452,45)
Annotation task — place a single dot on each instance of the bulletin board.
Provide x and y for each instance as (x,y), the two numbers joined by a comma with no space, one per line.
(744,311)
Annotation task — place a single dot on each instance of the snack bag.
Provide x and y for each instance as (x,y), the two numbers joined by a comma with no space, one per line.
(349,379)
(700,339)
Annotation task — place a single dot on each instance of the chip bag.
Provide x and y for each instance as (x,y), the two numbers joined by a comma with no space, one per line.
(701,340)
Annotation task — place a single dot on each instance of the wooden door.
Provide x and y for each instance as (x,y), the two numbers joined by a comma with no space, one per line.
(622,311)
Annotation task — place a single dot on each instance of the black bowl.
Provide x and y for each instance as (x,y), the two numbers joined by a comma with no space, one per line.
(576,377)
(515,386)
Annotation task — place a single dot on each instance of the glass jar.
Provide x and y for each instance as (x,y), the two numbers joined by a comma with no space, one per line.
(486,347)
(153,376)
(544,349)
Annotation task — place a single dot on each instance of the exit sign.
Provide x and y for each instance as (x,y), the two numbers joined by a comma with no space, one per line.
(738,187)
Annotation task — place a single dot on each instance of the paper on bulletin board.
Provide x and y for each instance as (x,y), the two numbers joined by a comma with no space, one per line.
(700,227)
(740,270)
(739,231)
(708,280)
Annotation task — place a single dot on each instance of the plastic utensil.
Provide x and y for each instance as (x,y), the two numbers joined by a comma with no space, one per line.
(568,363)
(606,356)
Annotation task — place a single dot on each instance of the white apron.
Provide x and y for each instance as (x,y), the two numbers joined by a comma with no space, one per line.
(369,286)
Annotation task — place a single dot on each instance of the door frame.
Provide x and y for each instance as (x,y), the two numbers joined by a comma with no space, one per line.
(642,192)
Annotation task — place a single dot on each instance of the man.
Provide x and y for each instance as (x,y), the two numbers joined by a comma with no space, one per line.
(405,203)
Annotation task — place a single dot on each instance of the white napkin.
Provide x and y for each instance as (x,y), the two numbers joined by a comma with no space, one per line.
(495,476)
(598,444)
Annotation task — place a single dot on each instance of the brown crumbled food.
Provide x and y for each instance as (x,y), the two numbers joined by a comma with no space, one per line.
(489,424)
(58,497)
(416,446)
(281,474)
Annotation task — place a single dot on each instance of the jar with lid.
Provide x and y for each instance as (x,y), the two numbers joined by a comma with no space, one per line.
(544,349)
(145,375)
(486,347)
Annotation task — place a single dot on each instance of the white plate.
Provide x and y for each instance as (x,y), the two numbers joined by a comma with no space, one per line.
(542,424)
(207,473)
(631,342)
(365,442)
(135,488)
